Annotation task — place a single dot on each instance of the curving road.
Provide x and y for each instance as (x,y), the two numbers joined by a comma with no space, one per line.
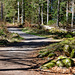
(20,58)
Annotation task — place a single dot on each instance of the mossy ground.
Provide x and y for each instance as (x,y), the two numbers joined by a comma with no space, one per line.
(7,37)
(52,33)
(58,50)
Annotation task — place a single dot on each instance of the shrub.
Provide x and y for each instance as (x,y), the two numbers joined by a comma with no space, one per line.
(51,22)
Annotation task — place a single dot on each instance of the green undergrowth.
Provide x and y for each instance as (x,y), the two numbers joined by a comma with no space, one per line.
(7,37)
(34,31)
(52,33)
(14,37)
(62,53)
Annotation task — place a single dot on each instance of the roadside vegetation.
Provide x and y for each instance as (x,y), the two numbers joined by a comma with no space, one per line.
(7,37)
(54,33)
(58,55)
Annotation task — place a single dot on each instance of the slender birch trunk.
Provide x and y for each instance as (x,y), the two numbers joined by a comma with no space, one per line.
(18,13)
(67,11)
(58,11)
(47,11)
(72,14)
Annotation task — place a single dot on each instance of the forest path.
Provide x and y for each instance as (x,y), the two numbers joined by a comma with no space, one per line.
(20,58)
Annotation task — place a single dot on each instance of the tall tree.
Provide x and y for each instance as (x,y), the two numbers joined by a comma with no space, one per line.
(18,12)
(22,14)
(39,12)
(58,12)
(1,11)
(47,11)
(42,15)
(67,11)
(72,13)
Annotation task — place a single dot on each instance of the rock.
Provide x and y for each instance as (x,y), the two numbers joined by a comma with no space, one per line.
(72,54)
(61,57)
(64,62)
(67,49)
(68,62)
(49,65)
(44,54)
(59,63)
(51,55)
(53,61)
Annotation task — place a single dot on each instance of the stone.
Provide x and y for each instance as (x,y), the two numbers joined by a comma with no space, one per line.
(67,49)
(59,63)
(44,54)
(68,62)
(72,54)
(51,55)
(49,65)
(61,57)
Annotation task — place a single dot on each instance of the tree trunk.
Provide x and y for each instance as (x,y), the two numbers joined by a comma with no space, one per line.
(72,14)
(47,11)
(22,15)
(1,11)
(58,11)
(39,13)
(67,11)
(13,20)
(18,13)
(42,15)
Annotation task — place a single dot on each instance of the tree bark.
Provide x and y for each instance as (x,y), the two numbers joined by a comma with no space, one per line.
(39,13)
(58,12)
(22,15)
(1,11)
(18,13)
(47,11)
(67,11)
(72,14)
(13,20)
(42,15)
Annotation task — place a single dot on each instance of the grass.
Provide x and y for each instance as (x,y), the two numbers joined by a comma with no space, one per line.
(7,37)
(52,33)
(37,32)
(58,49)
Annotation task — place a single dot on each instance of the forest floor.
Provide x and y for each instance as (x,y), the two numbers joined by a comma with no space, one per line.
(20,58)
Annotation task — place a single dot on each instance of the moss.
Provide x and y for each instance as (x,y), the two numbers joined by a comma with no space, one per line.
(67,49)
(53,61)
(64,62)
(61,57)
(68,62)
(42,51)
(44,54)
(72,53)
(59,63)
(68,36)
(49,65)
(51,55)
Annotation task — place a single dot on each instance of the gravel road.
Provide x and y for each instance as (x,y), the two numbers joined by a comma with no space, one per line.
(20,58)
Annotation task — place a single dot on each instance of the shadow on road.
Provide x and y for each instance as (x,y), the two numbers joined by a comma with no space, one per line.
(30,44)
